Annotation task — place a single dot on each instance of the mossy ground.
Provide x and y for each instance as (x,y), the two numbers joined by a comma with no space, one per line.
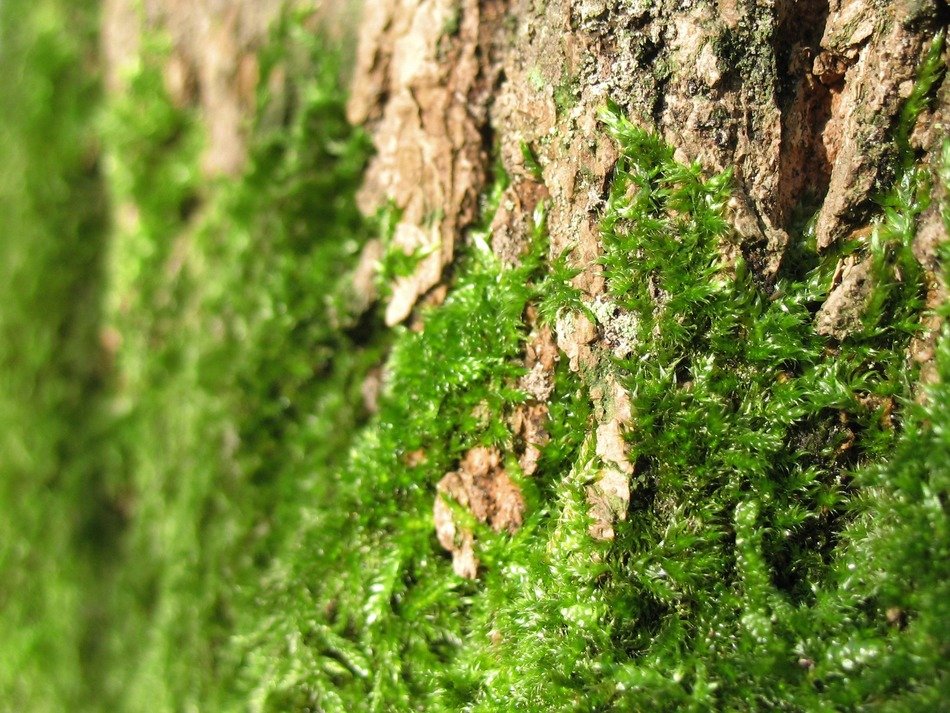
(214,521)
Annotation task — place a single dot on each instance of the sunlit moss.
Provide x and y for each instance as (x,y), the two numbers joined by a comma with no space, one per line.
(786,543)
(761,450)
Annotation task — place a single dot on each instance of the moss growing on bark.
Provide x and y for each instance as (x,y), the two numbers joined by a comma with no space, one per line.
(786,544)
(778,475)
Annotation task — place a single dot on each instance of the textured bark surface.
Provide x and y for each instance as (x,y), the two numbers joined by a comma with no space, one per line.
(800,99)
(425,79)
(483,487)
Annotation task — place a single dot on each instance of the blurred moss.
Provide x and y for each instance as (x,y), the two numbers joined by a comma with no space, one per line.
(55,515)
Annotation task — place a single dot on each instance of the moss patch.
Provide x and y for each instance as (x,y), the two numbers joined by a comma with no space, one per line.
(775,484)
(274,546)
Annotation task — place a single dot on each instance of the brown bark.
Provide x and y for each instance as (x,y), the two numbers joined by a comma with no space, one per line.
(801,99)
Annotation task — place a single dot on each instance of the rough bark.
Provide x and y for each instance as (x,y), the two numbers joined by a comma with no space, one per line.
(800,99)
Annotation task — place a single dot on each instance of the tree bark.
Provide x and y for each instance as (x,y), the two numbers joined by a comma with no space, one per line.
(804,101)
(800,99)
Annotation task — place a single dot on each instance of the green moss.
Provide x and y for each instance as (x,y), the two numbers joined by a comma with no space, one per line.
(531,161)
(453,22)
(557,293)
(234,382)
(278,550)
(56,521)
(536,79)
(762,464)
(929,75)
(395,262)
(566,93)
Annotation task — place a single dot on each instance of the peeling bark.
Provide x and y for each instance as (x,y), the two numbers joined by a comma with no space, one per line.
(872,53)
(482,486)
(424,78)
(841,313)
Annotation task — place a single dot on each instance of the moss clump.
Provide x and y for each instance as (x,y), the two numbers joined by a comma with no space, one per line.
(56,522)
(234,386)
(566,93)
(778,477)
(754,440)
(276,549)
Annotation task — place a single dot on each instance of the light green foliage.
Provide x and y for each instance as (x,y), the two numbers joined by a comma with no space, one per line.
(566,93)
(54,518)
(758,562)
(786,545)
(757,443)
(395,262)
(393,600)
(234,382)
(929,75)
(531,161)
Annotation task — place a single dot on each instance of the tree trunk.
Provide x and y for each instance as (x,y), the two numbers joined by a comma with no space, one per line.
(649,277)
(801,100)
